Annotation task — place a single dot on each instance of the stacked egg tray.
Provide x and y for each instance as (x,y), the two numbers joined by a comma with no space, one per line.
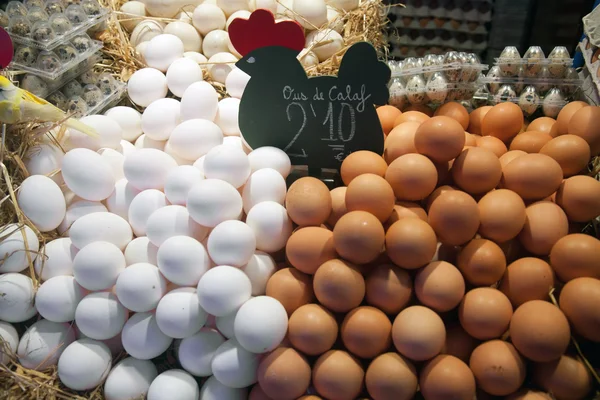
(434,80)
(461,10)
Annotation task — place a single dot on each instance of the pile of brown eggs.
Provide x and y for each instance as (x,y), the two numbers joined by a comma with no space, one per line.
(432,272)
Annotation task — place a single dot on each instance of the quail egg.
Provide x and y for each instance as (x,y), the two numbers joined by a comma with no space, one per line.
(494,75)
(509,61)
(415,90)
(36,14)
(529,100)
(437,88)
(559,60)
(505,93)
(58,99)
(554,101)
(77,107)
(60,23)
(66,52)
(42,32)
(89,77)
(91,7)
(72,88)
(20,26)
(26,55)
(76,14)
(54,6)
(534,57)
(106,83)
(34,84)
(47,61)
(92,95)
(397,94)
(82,43)
(452,57)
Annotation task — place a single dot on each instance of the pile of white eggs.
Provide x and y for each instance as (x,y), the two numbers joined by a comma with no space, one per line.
(167,225)
(202,27)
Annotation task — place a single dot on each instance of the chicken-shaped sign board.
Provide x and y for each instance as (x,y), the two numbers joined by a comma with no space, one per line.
(317,121)
(6,49)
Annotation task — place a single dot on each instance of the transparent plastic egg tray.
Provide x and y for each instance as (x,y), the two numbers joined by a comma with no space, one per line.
(534,63)
(46,24)
(52,64)
(531,104)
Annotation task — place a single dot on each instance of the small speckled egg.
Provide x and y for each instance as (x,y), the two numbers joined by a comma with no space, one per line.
(77,107)
(505,93)
(559,60)
(47,61)
(437,87)
(66,52)
(82,43)
(92,95)
(75,14)
(72,88)
(508,60)
(60,23)
(529,100)
(415,89)
(554,101)
(533,57)
(26,55)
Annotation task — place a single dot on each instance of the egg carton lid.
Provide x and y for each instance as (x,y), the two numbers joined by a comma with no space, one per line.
(542,101)
(532,81)
(61,39)
(544,61)
(82,57)
(439,68)
(109,100)
(447,86)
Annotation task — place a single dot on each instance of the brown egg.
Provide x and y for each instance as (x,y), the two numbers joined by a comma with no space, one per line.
(456,111)
(308,202)
(509,156)
(565,115)
(388,288)
(400,141)
(310,397)
(284,374)
(418,333)
(493,144)
(339,286)
(485,313)
(527,279)
(338,375)
(440,138)
(291,287)
(338,205)
(362,162)
(502,214)
(504,121)
(546,223)
(482,262)
(576,256)
(422,108)
(387,115)
(579,301)
(470,140)
(528,394)
(498,367)
(366,332)
(436,193)
(459,343)
(454,216)
(391,377)
(412,177)
(310,247)
(446,377)
(440,286)
(566,378)
(312,329)
(359,237)
(476,170)
(540,331)
(258,394)
(530,141)
(410,243)
(532,176)
(476,118)
(411,116)
(542,124)
(585,124)
(579,197)
(371,193)
(406,209)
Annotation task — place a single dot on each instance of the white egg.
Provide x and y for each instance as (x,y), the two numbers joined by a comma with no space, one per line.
(185,16)
(335,20)
(285,10)
(194,138)
(55,259)
(45,159)
(109,130)
(100,316)
(182,260)
(231,243)
(270,157)
(270,5)
(141,250)
(129,379)
(142,338)
(13,252)
(174,381)
(180,160)
(126,147)
(223,289)
(181,74)
(144,142)
(234,366)
(84,364)
(43,343)
(131,10)
(227,116)
(129,119)
(147,85)
(266,184)
(145,31)
(227,163)
(311,14)
(242,13)
(114,343)
(142,206)
(76,210)
(58,297)
(215,42)
(162,51)
(196,57)
(179,182)
(236,82)
(164,9)
(160,118)
(88,175)
(120,199)
(148,168)
(259,269)
(271,224)
(225,324)
(261,324)
(345,5)
(324,43)
(215,390)
(308,58)
(197,351)
(140,50)
(189,36)
(220,65)
(199,164)
(101,226)
(231,6)
(10,337)
(97,265)
(115,160)
(46,215)
(200,101)
(16,302)
(207,18)
(213,201)
(140,287)
(235,141)
(179,314)
(173,220)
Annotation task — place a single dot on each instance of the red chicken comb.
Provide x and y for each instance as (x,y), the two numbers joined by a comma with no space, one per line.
(6,49)
(260,30)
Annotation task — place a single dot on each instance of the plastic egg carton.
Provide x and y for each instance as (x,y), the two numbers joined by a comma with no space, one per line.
(452,67)
(529,101)
(569,86)
(48,24)
(53,64)
(534,63)
(434,92)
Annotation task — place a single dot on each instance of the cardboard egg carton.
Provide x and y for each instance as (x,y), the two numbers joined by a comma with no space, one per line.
(441,24)
(478,11)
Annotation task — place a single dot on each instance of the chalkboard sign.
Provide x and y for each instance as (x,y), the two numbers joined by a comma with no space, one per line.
(317,121)
(6,49)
